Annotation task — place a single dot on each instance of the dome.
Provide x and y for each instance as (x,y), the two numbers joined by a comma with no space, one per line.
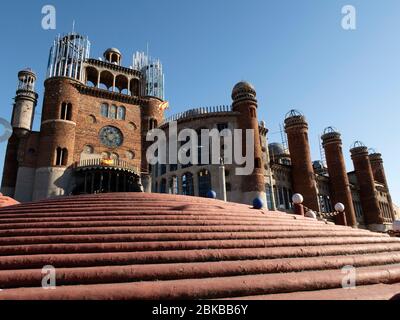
(167,247)
(293,114)
(112,50)
(276,149)
(26,71)
(243,87)
(318,165)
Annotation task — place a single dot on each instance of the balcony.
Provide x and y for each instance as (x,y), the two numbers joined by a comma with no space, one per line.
(111,164)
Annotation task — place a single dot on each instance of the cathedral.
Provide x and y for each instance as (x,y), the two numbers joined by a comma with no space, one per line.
(95,117)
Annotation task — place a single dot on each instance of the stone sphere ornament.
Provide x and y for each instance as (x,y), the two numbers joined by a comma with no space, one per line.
(339,207)
(311,214)
(212,194)
(297,198)
(258,203)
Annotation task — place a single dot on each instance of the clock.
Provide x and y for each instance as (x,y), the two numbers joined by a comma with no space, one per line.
(111,137)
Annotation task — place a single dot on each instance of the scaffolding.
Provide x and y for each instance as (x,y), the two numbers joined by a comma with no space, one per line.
(67,56)
(153,76)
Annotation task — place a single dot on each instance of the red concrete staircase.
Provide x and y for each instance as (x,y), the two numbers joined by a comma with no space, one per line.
(151,246)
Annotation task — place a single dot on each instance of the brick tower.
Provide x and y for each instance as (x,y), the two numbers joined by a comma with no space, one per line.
(22,120)
(303,176)
(365,178)
(340,186)
(152,117)
(378,172)
(245,102)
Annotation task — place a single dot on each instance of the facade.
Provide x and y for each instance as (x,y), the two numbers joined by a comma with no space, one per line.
(95,117)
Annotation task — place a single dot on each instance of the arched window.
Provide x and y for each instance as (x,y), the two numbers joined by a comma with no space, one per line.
(163,188)
(105,155)
(204,183)
(61,157)
(113,112)
(187,184)
(104,110)
(121,113)
(66,111)
(253,112)
(88,149)
(130,155)
(152,124)
(114,156)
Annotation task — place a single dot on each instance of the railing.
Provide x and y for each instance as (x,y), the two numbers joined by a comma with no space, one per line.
(196,112)
(114,163)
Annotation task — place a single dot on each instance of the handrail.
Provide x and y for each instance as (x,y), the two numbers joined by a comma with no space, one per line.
(99,162)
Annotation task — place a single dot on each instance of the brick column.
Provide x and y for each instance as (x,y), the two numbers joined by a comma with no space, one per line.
(245,103)
(378,171)
(303,175)
(340,186)
(365,178)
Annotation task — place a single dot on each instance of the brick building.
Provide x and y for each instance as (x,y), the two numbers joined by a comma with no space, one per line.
(95,117)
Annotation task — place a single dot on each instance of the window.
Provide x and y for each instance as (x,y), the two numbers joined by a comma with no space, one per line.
(114,156)
(222,126)
(228,187)
(113,112)
(61,157)
(163,186)
(121,113)
(286,198)
(187,184)
(173,185)
(88,149)
(66,111)
(92,119)
(204,183)
(104,110)
(130,155)
(152,124)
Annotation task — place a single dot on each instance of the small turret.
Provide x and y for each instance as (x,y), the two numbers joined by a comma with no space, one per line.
(25,103)
(113,55)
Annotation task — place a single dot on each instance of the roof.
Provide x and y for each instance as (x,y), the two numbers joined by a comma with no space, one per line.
(151,246)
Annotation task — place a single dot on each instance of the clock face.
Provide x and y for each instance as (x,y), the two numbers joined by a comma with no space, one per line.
(111,137)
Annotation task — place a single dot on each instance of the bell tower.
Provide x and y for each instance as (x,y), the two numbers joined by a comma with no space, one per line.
(25,103)
(21,122)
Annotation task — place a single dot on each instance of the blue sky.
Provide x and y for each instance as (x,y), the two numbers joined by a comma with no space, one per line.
(294,52)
